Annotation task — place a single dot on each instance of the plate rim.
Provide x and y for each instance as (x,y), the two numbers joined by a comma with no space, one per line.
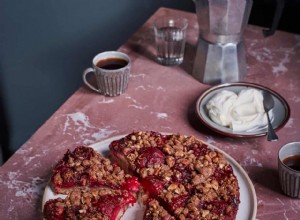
(230,159)
(246,84)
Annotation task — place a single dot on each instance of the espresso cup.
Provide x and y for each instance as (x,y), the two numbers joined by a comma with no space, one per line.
(289,169)
(112,71)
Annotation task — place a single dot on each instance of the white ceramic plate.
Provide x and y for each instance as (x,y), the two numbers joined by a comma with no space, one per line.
(281,110)
(247,207)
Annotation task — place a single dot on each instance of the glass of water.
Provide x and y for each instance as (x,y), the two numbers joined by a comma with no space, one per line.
(170,35)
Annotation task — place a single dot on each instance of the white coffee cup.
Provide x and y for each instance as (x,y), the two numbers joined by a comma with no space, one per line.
(112,71)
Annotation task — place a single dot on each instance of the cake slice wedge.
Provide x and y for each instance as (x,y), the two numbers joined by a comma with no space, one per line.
(84,168)
(104,204)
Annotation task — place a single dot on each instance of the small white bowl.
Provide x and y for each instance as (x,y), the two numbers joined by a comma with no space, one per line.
(281,109)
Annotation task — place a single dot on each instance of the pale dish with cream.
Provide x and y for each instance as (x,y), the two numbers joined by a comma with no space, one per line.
(241,111)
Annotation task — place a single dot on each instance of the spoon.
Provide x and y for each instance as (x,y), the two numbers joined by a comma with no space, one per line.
(268,103)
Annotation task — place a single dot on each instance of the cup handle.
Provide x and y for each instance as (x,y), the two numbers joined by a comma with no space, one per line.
(85,73)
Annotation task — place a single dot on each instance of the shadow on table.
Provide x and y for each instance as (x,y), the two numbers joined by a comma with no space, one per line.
(196,123)
(138,44)
(267,178)
(149,52)
(139,49)
(189,58)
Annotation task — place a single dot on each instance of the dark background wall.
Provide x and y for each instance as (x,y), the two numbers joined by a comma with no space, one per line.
(45,46)
(263,12)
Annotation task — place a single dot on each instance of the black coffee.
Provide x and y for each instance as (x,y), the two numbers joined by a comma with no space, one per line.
(293,162)
(112,63)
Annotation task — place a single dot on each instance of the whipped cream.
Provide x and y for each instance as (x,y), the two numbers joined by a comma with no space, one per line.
(241,112)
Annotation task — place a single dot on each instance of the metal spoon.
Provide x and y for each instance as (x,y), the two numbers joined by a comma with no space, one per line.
(268,105)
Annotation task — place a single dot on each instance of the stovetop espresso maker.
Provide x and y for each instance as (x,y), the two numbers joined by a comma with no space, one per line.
(220,56)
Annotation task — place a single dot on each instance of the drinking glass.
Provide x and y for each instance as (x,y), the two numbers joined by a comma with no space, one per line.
(170,37)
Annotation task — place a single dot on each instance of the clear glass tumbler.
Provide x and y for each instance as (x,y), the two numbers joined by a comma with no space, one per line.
(170,36)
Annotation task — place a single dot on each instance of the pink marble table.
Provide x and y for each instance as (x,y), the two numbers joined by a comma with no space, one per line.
(162,99)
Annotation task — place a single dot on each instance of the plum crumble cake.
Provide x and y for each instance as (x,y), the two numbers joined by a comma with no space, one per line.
(177,177)
(187,178)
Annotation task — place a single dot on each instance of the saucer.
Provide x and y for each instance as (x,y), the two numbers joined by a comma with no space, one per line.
(281,110)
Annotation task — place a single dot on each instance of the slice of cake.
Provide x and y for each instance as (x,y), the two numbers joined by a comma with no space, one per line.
(104,204)
(85,168)
(138,150)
